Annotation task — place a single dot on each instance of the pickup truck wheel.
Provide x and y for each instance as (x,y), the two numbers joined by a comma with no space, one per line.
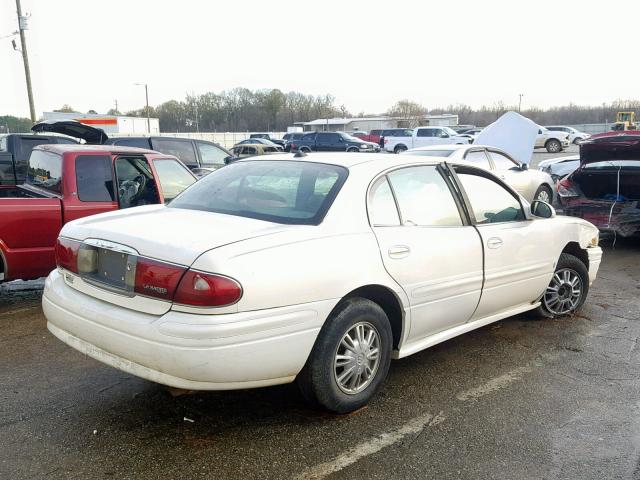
(350,359)
(399,149)
(553,146)
(567,290)
(352,149)
(304,149)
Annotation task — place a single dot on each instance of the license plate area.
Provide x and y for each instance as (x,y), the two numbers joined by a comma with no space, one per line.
(108,268)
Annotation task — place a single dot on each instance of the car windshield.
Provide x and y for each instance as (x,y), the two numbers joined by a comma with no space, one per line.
(450,131)
(429,153)
(291,192)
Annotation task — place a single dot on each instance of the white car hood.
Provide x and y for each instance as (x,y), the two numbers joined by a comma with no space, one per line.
(172,234)
(512,133)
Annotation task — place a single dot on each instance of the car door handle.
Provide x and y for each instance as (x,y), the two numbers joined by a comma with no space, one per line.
(399,251)
(494,242)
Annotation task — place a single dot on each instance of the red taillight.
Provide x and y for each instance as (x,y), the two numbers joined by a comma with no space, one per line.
(566,188)
(67,254)
(207,290)
(157,279)
(386,140)
(293,147)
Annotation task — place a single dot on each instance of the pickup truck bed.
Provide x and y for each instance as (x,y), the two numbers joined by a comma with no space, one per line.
(67,182)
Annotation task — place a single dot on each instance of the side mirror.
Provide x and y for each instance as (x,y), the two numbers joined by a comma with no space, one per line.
(444,135)
(524,167)
(542,209)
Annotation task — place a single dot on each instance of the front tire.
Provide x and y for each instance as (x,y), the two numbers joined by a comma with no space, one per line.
(567,290)
(553,146)
(350,359)
(544,194)
(352,149)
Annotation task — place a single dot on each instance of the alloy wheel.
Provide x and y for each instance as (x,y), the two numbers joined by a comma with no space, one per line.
(543,195)
(564,292)
(357,358)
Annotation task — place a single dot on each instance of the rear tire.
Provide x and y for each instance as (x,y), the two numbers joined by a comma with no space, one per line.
(399,149)
(553,146)
(567,290)
(352,149)
(304,150)
(356,339)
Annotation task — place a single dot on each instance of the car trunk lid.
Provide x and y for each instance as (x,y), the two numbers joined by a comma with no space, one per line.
(72,128)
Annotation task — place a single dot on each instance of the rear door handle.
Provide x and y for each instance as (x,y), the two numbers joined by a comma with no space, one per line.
(494,242)
(399,251)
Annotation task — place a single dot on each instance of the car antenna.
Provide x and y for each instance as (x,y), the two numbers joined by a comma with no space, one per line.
(299,154)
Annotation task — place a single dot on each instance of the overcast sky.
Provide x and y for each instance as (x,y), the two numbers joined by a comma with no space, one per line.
(367,54)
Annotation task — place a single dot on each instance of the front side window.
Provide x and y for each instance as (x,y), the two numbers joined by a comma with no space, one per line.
(490,201)
(94,179)
(502,162)
(181,149)
(290,192)
(174,178)
(45,170)
(136,185)
(478,158)
(382,206)
(211,155)
(424,197)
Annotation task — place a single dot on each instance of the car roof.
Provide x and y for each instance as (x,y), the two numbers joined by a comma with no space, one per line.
(348,160)
(65,148)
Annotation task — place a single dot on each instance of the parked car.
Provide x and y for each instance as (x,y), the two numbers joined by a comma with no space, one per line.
(553,142)
(422,137)
(251,150)
(605,188)
(462,128)
(560,167)
(575,136)
(291,138)
(472,133)
(200,156)
(531,184)
(15,149)
(268,136)
(317,269)
(332,142)
(263,141)
(67,182)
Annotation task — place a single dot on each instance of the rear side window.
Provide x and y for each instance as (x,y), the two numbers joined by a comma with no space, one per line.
(45,170)
(382,206)
(174,178)
(94,179)
(290,192)
(426,132)
(424,197)
(183,150)
(210,154)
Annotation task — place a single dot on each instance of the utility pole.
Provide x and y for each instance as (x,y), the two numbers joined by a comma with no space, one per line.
(116,100)
(22,26)
(146,96)
(520,102)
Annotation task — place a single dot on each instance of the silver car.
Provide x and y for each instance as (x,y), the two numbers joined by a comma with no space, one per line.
(531,184)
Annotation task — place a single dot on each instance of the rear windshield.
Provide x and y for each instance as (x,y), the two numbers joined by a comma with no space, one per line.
(429,153)
(290,192)
(45,170)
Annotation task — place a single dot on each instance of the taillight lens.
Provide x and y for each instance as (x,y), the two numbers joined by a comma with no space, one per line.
(293,147)
(207,290)
(67,254)
(157,279)
(566,188)
(386,140)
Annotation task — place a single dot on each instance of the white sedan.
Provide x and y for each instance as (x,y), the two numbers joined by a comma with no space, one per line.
(531,184)
(318,269)
(560,167)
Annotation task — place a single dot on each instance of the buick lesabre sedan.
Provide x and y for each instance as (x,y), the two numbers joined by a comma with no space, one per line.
(318,269)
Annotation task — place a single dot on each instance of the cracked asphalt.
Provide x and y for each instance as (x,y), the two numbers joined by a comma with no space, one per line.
(523,398)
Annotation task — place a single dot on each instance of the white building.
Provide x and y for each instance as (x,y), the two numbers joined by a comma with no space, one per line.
(366,124)
(111,124)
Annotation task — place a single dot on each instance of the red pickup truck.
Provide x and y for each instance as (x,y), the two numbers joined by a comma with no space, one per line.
(66,182)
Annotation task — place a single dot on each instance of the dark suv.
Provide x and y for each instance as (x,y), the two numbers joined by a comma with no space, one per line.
(331,142)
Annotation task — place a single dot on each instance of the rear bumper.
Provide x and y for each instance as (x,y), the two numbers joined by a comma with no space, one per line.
(621,218)
(195,352)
